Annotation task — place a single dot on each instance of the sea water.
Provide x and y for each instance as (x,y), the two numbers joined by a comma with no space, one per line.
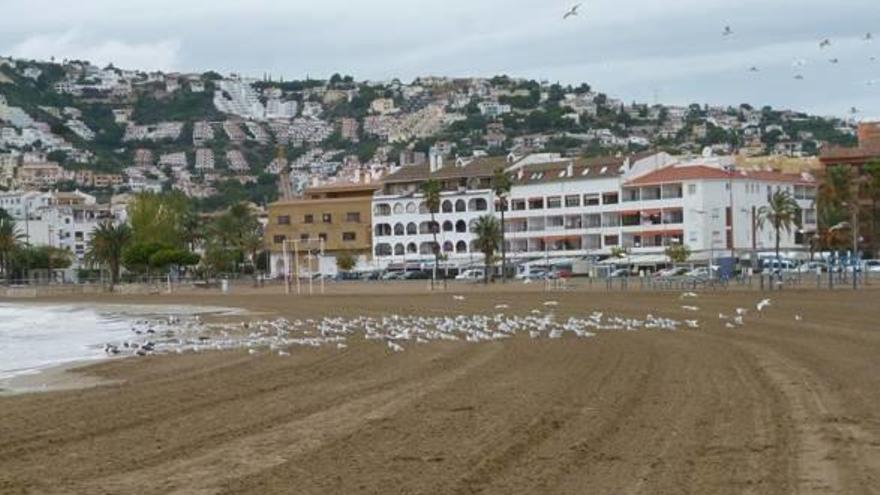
(39,336)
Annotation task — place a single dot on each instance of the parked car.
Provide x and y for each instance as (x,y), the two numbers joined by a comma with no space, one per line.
(619,273)
(702,272)
(671,272)
(415,275)
(872,266)
(471,274)
(812,266)
(391,276)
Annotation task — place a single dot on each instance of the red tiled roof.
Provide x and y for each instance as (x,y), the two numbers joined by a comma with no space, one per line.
(703,172)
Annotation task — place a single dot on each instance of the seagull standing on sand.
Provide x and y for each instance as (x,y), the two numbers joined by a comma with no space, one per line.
(763,304)
(458,298)
(572,12)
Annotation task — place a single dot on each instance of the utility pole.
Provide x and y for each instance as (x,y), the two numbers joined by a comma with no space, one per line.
(754,238)
(855,243)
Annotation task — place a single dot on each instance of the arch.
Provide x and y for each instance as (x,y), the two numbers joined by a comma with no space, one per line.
(398,229)
(398,249)
(411,248)
(398,208)
(461,226)
(461,247)
(423,208)
(477,204)
(447,226)
(382,229)
(472,227)
(446,206)
(448,247)
(460,205)
(411,207)
(412,228)
(425,228)
(383,249)
(426,248)
(382,210)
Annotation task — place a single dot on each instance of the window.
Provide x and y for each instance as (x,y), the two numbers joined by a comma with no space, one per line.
(518,205)
(536,204)
(284,220)
(610,198)
(279,239)
(349,237)
(322,236)
(309,219)
(353,217)
(304,237)
(692,189)
(612,240)
(591,200)
(327,218)
(554,202)
(572,201)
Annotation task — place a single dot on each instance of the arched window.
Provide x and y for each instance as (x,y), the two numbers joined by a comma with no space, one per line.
(426,248)
(382,210)
(398,208)
(412,228)
(461,247)
(383,249)
(460,205)
(398,250)
(411,207)
(472,227)
(382,229)
(411,248)
(446,206)
(460,226)
(425,228)
(447,226)
(477,204)
(447,247)
(398,229)
(423,208)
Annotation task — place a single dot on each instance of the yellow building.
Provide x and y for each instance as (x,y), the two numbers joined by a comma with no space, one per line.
(339,215)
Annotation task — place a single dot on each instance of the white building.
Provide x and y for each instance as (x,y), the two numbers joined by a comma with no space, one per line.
(566,208)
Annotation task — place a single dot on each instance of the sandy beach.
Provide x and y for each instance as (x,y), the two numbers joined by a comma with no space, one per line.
(787,403)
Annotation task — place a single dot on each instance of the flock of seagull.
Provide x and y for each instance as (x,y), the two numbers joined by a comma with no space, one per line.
(183,334)
(826,43)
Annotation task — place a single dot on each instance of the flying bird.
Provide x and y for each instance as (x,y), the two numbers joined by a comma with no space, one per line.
(572,12)
(799,77)
(869,37)
(799,62)
(825,43)
(727,31)
(834,60)
(853,110)
(763,304)
(754,69)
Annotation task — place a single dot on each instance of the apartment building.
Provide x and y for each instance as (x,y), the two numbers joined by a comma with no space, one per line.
(337,216)
(588,207)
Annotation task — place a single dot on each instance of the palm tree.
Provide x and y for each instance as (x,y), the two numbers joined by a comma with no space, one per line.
(431,190)
(10,238)
(106,246)
(782,213)
(501,185)
(488,232)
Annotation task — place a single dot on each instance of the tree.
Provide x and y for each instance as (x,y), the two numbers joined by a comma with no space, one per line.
(158,218)
(872,189)
(345,262)
(106,246)
(10,238)
(678,253)
(501,185)
(431,190)
(618,252)
(782,213)
(488,235)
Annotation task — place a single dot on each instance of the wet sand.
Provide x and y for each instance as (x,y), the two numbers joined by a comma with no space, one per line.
(777,406)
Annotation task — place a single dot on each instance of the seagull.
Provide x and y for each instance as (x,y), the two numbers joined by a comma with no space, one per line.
(501,306)
(834,60)
(395,347)
(688,294)
(853,110)
(763,304)
(873,82)
(869,36)
(754,69)
(727,31)
(572,12)
(551,303)
(283,353)
(690,308)
(799,62)
(825,43)
(799,77)
(797,318)
(458,298)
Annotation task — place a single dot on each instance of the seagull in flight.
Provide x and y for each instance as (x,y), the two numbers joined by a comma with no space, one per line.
(853,110)
(825,43)
(754,69)
(572,12)
(834,60)
(799,62)
(869,37)
(799,77)
(727,31)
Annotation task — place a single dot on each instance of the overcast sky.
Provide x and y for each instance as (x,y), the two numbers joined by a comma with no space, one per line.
(669,50)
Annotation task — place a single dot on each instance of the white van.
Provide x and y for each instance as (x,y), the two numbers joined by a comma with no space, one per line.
(471,274)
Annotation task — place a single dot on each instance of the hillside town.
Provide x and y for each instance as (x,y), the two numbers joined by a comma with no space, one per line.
(591,176)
